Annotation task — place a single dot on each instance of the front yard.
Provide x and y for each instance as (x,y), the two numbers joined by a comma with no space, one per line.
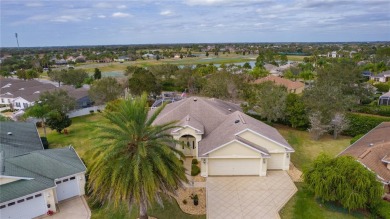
(302,205)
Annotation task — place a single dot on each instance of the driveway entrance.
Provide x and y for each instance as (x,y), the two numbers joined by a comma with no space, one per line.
(248,197)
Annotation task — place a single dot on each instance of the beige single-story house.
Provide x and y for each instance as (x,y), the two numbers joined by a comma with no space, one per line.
(225,140)
(34,180)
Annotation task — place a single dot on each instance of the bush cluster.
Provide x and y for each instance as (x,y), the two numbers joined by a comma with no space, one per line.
(361,124)
(195,170)
(195,161)
(375,110)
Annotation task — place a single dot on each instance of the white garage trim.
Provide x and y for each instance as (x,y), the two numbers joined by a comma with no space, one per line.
(67,187)
(239,142)
(234,166)
(28,206)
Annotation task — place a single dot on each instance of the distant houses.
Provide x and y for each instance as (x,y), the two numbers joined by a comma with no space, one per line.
(384,100)
(382,77)
(292,86)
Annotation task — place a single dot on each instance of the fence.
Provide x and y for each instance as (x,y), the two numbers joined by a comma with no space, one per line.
(85,111)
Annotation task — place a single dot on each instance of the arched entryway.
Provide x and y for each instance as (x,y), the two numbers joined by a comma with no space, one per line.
(189,145)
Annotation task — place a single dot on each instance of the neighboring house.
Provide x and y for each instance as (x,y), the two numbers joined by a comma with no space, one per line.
(382,77)
(148,56)
(34,180)
(384,99)
(333,54)
(292,86)
(122,59)
(225,140)
(373,151)
(23,93)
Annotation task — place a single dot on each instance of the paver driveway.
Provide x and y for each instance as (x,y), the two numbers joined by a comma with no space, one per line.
(248,197)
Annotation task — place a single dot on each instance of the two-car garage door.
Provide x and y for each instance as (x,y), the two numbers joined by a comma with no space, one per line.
(234,166)
(24,208)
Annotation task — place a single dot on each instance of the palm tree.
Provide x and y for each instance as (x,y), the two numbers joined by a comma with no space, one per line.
(135,163)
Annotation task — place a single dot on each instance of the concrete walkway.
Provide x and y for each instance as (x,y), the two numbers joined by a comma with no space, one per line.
(73,208)
(248,197)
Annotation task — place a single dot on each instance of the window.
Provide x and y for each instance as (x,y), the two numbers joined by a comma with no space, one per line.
(39,195)
(29,198)
(17,104)
(2,100)
(25,105)
(3,206)
(193,144)
(20,201)
(9,101)
(65,180)
(58,182)
(72,178)
(10,204)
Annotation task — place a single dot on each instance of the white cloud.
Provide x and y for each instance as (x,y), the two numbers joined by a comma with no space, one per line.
(102,16)
(120,14)
(65,18)
(102,5)
(34,4)
(206,2)
(166,13)
(121,6)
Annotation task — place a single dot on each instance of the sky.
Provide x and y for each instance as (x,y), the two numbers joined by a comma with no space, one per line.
(114,22)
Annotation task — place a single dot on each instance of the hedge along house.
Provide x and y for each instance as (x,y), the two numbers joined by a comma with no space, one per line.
(34,180)
(225,140)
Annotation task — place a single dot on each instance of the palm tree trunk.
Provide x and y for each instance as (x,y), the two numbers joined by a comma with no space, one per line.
(143,214)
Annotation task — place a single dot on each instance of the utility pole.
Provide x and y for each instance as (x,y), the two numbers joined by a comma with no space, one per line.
(17,41)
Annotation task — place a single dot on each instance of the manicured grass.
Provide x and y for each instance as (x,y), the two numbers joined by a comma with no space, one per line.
(303,205)
(306,149)
(80,136)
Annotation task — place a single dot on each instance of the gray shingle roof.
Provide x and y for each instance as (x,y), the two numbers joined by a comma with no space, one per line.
(24,138)
(25,158)
(218,119)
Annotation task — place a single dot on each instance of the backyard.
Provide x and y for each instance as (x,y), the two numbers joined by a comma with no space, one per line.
(302,205)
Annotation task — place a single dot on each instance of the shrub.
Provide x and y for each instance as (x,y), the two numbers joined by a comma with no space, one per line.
(195,161)
(38,124)
(374,109)
(195,170)
(185,201)
(361,124)
(45,143)
(91,111)
(381,210)
(344,180)
(98,110)
(354,139)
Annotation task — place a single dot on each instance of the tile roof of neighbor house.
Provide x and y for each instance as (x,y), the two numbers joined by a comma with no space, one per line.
(30,90)
(219,121)
(25,158)
(373,149)
(290,85)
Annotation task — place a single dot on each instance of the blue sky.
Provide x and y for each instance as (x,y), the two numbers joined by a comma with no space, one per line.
(93,22)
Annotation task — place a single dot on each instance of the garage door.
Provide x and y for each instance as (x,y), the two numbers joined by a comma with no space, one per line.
(24,208)
(67,188)
(276,162)
(234,167)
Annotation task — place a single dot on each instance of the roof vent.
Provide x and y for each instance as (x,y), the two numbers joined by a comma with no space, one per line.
(9,133)
(195,99)
(370,145)
(237,121)
(230,109)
